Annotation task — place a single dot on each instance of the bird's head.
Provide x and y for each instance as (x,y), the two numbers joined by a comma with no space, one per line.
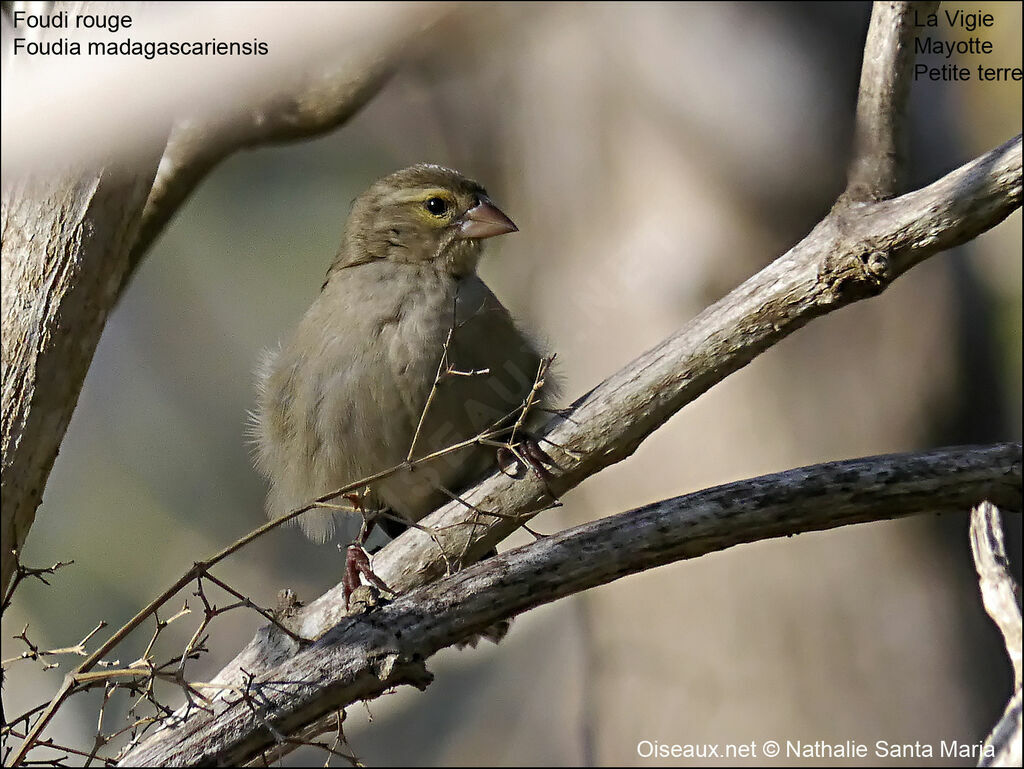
(422,214)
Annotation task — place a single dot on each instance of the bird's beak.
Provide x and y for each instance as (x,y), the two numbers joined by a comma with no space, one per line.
(484,220)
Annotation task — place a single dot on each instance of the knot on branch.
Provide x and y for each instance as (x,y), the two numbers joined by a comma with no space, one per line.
(855,274)
(878,265)
(393,670)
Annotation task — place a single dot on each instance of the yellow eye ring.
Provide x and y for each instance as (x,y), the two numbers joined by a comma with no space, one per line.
(436,206)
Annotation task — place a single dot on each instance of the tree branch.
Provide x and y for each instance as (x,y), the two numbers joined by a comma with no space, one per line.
(363,656)
(999,592)
(877,170)
(71,239)
(1003,746)
(308,104)
(1001,596)
(65,254)
(847,257)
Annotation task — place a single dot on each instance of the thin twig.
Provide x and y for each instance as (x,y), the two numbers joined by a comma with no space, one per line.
(202,567)
(441,366)
(245,601)
(22,573)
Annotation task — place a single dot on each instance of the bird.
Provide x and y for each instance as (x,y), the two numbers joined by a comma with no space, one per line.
(404,352)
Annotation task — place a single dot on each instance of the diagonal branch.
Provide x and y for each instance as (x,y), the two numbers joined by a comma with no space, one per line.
(845,258)
(848,256)
(315,103)
(365,655)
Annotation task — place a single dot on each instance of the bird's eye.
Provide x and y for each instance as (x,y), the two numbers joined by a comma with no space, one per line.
(436,206)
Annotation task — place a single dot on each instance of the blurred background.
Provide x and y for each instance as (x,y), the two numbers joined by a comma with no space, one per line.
(654,156)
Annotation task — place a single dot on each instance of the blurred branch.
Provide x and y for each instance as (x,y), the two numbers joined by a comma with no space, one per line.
(318,103)
(65,254)
(1001,596)
(365,655)
(295,51)
(72,236)
(1003,745)
(879,161)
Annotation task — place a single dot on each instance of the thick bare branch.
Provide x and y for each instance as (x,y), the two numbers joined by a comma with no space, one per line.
(877,169)
(364,656)
(65,255)
(845,258)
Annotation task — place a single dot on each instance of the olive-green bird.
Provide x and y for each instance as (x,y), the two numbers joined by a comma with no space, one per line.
(343,399)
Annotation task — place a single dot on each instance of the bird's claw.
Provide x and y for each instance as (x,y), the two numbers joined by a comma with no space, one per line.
(531,454)
(357,564)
